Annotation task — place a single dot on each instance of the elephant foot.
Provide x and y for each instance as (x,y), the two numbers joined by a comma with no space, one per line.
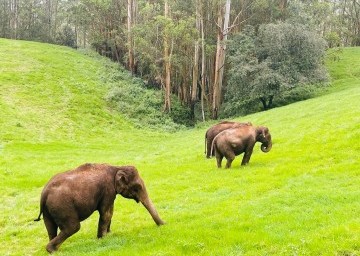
(51,248)
(102,234)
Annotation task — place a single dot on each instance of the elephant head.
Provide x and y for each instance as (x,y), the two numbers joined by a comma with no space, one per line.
(263,135)
(129,184)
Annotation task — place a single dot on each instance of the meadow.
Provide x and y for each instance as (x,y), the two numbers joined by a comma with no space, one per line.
(301,198)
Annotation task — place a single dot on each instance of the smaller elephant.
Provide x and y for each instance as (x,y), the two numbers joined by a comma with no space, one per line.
(71,197)
(234,141)
(215,130)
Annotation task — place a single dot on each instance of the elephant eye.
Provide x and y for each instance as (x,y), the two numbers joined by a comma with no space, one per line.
(136,188)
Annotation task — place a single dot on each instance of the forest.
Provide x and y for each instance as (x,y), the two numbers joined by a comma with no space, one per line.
(216,58)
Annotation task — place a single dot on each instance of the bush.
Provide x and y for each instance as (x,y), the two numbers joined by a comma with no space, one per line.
(140,105)
(66,37)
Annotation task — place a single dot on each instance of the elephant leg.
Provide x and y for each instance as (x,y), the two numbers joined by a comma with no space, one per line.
(105,221)
(108,229)
(247,156)
(219,156)
(66,230)
(230,158)
(208,149)
(219,160)
(50,225)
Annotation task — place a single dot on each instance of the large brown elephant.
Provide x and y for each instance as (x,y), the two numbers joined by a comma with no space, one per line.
(234,141)
(71,197)
(215,130)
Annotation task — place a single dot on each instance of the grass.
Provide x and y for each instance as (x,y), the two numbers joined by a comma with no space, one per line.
(302,198)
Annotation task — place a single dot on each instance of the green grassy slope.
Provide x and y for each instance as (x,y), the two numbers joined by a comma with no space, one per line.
(302,198)
(47,90)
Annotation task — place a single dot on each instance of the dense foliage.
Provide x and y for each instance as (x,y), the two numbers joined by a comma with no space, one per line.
(269,64)
(140,105)
(177,47)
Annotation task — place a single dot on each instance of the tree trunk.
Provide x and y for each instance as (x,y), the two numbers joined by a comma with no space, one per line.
(130,11)
(195,71)
(13,21)
(282,8)
(167,61)
(267,105)
(356,18)
(55,15)
(48,17)
(203,65)
(220,58)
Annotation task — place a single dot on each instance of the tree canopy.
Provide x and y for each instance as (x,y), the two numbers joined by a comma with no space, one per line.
(274,60)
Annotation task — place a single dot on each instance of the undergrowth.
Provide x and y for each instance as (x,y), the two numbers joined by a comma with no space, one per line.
(143,106)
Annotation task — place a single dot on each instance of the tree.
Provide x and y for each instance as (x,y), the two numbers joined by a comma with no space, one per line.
(130,45)
(276,59)
(195,69)
(224,29)
(66,37)
(203,68)
(167,60)
(223,23)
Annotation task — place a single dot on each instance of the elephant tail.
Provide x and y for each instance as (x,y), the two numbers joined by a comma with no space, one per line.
(39,217)
(214,141)
(42,203)
(213,146)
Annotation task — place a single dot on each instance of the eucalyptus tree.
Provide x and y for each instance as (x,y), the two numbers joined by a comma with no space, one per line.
(131,12)
(223,20)
(168,49)
(195,69)
(164,39)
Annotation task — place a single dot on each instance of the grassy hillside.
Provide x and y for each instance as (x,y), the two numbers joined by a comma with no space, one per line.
(302,198)
(46,90)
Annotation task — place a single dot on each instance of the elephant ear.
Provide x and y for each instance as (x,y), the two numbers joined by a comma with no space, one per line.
(259,131)
(121,181)
(124,176)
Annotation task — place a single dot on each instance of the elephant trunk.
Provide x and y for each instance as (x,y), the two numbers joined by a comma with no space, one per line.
(151,209)
(266,147)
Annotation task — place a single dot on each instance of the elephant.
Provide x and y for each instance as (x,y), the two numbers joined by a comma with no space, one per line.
(234,141)
(72,196)
(215,130)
